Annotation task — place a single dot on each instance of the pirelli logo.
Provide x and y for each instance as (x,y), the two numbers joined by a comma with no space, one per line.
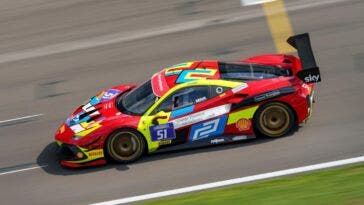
(96,153)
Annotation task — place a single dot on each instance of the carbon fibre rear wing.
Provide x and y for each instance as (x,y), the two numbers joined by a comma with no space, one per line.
(310,72)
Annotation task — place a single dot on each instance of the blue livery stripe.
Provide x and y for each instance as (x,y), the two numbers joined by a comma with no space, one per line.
(182,111)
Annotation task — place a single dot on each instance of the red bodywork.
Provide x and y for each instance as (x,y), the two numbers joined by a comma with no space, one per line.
(112,119)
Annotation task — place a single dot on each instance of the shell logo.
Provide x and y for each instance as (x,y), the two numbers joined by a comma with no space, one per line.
(243,124)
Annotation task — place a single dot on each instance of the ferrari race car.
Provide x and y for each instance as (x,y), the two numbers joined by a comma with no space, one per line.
(193,104)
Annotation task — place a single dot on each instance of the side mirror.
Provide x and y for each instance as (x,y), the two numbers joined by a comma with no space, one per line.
(236,98)
(159,115)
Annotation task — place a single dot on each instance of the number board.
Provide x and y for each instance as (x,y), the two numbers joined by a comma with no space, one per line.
(162,132)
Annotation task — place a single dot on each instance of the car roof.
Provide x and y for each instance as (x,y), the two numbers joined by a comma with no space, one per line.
(183,73)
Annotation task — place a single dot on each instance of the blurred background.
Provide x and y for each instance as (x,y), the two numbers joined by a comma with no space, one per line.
(56,54)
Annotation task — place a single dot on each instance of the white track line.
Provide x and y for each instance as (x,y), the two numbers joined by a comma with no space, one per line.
(253,2)
(121,37)
(19,119)
(233,181)
(21,170)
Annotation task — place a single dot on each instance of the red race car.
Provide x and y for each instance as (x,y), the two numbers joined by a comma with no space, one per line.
(193,104)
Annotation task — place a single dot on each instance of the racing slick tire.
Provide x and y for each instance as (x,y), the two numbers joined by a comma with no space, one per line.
(125,145)
(274,119)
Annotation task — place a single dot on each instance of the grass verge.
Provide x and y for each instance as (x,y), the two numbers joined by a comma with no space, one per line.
(343,185)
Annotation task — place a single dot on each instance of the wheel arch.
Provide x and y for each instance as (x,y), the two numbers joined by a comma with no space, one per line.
(106,154)
(291,107)
(278,101)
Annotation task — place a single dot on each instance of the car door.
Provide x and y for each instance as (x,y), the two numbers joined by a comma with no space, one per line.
(191,115)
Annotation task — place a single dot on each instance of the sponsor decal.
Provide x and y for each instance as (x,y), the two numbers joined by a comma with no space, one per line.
(88,129)
(79,122)
(88,125)
(307,87)
(198,100)
(95,153)
(162,132)
(243,124)
(309,75)
(239,137)
(101,97)
(165,142)
(95,100)
(217,141)
(159,80)
(77,128)
(109,94)
(312,78)
(207,129)
(239,88)
(108,105)
(159,84)
(267,95)
(94,113)
(201,116)
(73,120)
(76,119)
(88,107)
(219,90)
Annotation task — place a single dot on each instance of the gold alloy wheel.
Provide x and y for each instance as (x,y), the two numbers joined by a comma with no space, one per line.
(125,146)
(275,120)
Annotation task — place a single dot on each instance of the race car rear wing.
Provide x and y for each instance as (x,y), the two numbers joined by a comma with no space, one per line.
(310,72)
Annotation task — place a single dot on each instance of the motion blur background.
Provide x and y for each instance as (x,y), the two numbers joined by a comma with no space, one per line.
(56,54)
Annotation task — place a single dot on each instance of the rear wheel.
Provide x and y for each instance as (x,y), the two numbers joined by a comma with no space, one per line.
(125,146)
(274,119)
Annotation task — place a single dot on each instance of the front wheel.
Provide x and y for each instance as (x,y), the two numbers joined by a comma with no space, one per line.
(125,146)
(274,119)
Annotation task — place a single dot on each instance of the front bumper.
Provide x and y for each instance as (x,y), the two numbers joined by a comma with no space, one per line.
(76,156)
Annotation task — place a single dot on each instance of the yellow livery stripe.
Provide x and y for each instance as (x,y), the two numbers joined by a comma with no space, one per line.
(246,113)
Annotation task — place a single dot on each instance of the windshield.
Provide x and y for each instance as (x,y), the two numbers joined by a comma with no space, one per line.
(250,71)
(138,100)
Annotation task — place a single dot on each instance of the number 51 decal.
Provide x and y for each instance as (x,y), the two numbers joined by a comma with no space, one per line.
(162,132)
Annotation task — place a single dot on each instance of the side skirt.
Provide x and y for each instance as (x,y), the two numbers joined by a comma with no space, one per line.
(206,142)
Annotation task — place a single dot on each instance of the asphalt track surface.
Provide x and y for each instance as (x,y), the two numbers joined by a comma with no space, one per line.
(56,54)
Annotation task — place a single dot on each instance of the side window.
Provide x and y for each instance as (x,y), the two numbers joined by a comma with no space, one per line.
(189,96)
(166,105)
(184,97)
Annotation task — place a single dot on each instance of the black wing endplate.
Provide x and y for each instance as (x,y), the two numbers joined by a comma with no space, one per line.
(310,72)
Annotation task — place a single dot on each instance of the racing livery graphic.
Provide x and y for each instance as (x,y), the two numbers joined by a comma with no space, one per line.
(193,104)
